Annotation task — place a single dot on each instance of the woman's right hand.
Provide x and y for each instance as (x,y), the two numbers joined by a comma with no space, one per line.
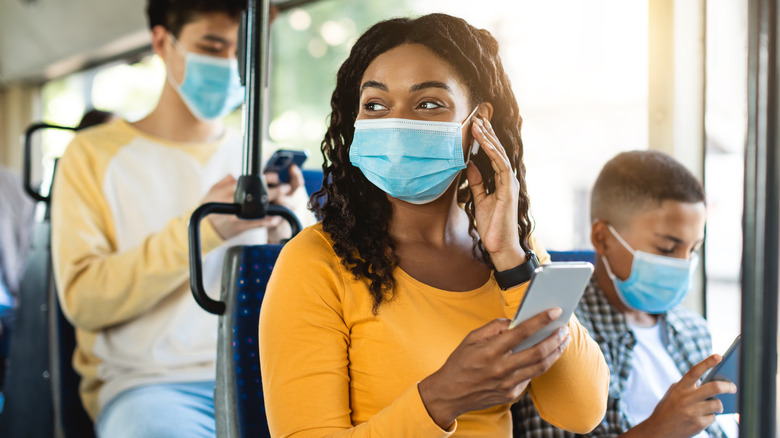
(483,372)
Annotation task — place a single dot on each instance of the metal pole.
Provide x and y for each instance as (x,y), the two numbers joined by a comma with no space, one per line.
(758,367)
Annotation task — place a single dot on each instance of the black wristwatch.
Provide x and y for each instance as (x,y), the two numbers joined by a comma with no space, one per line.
(519,274)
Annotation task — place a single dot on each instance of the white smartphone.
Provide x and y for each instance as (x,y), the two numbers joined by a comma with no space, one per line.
(557,284)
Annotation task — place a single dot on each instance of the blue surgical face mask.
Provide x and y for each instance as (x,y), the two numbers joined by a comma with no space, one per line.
(657,283)
(411,160)
(211,87)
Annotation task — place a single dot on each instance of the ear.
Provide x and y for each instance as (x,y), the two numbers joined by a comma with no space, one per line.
(160,42)
(599,235)
(485,111)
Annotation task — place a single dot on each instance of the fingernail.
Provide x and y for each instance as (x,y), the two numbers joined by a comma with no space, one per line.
(563,332)
(566,342)
(479,121)
(733,388)
(554,313)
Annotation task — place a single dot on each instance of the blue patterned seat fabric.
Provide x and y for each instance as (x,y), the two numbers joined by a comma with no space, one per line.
(584,255)
(254,271)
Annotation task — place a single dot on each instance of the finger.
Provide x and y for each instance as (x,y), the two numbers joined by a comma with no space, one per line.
(711,389)
(709,407)
(556,342)
(509,340)
(296,178)
(475,183)
(266,222)
(491,133)
(489,330)
(694,374)
(271,178)
(498,162)
(275,193)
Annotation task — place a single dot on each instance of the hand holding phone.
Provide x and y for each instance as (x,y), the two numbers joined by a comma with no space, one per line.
(282,159)
(558,284)
(727,370)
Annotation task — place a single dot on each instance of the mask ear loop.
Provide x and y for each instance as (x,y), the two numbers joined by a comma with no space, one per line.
(184,53)
(620,239)
(474,144)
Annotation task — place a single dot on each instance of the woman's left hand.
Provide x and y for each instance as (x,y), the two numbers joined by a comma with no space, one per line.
(496,213)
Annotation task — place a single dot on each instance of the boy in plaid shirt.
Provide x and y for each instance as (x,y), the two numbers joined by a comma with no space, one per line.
(648,216)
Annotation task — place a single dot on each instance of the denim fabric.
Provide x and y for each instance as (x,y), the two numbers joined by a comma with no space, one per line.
(161,410)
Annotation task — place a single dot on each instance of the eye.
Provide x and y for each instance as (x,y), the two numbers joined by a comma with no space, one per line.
(665,251)
(427,104)
(373,106)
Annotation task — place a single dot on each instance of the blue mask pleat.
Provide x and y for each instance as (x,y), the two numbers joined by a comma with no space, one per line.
(410,163)
(211,87)
(656,283)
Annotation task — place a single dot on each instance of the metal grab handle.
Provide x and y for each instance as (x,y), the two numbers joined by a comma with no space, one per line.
(27,171)
(196,263)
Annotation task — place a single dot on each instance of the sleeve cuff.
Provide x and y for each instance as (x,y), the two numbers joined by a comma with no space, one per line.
(418,415)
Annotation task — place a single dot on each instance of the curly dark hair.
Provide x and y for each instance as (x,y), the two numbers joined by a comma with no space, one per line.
(354,212)
(174,14)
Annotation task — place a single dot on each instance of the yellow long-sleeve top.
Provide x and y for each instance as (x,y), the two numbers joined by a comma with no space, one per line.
(121,203)
(330,367)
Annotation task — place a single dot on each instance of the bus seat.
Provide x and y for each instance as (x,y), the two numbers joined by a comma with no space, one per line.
(579,255)
(313,180)
(27,409)
(238,396)
(41,389)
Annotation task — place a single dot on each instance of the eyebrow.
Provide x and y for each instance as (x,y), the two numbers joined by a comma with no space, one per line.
(668,237)
(675,239)
(373,84)
(430,84)
(412,89)
(215,39)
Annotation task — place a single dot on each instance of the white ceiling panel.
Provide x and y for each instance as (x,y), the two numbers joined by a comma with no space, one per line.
(41,39)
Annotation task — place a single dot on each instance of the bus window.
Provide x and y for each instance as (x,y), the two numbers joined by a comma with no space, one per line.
(726,123)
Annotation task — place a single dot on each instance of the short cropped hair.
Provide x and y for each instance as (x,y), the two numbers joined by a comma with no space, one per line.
(174,14)
(632,182)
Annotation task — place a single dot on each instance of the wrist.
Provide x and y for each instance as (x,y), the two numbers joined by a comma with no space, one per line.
(439,408)
(509,259)
(519,274)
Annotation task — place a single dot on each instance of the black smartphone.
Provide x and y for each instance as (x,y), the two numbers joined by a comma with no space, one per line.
(727,370)
(282,159)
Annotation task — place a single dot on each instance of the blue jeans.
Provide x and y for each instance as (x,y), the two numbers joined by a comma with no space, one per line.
(160,410)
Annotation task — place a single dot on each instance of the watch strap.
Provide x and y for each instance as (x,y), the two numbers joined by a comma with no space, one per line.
(519,274)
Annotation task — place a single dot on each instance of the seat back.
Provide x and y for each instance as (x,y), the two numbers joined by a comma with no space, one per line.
(312,178)
(28,409)
(42,396)
(579,255)
(238,400)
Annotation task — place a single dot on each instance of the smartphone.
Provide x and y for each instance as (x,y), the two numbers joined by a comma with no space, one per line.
(282,159)
(727,370)
(557,284)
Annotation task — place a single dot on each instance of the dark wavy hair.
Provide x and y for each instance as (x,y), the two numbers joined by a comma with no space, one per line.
(174,14)
(354,212)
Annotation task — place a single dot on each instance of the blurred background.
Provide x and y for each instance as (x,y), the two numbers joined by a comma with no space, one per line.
(592,78)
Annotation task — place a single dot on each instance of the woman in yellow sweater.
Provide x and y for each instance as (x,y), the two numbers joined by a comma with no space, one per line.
(389,318)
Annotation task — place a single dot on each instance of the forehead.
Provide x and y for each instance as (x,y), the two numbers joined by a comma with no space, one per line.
(211,23)
(409,64)
(684,220)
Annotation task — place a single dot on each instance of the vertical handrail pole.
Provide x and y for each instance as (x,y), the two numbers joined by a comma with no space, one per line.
(758,367)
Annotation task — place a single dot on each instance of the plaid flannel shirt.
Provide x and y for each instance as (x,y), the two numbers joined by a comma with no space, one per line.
(689,343)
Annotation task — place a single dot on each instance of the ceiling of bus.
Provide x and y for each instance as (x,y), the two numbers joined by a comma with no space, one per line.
(42,39)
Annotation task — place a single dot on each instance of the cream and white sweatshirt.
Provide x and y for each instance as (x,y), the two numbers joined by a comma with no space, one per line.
(121,204)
